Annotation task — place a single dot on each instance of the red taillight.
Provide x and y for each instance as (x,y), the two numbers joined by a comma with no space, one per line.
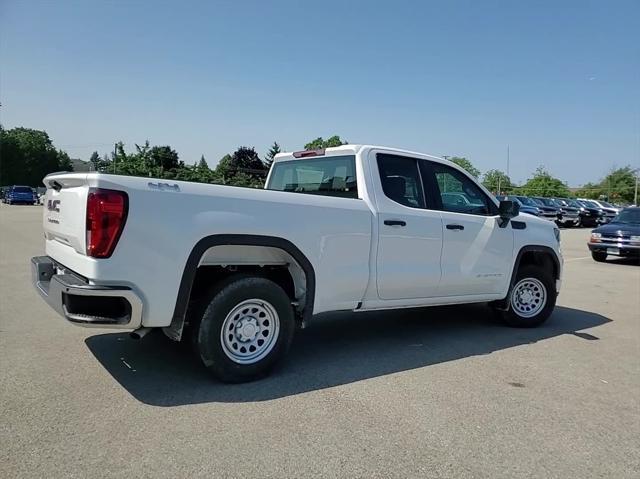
(106,215)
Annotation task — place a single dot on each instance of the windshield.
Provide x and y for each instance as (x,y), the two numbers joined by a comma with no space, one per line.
(573,203)
(590,204)
(548,202)
(332,176)
(606,205)
(22,189)
(526,201)
(629,217)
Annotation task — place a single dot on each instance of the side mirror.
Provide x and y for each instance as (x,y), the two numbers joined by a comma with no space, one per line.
(507,210)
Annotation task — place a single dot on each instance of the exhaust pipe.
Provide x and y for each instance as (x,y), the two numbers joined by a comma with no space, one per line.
(139,333)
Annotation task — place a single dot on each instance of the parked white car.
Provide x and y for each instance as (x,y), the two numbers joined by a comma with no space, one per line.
(236,270)
(610,210)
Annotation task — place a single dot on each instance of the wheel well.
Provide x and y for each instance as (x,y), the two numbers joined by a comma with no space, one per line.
(542,259)
(215,258)
(541,256)
(208,276)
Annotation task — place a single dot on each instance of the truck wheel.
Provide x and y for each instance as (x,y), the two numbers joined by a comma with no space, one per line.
(531,299)
(247,326)
(599,256)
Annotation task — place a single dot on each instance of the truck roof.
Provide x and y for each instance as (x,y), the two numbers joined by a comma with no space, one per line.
(354,149)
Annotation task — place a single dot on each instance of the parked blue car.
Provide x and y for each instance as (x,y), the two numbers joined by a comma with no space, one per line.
(20,194)
(524,208)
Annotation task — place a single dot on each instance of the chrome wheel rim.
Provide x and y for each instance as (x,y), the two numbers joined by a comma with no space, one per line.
(528,297)
(250,331)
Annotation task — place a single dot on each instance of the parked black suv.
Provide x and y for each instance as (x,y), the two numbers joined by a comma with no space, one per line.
(526,201)
(592,215)
(620,237)
(549,207)
(570,212)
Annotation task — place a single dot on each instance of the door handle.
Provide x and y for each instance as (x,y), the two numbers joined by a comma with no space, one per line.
(395,223)
(455,227)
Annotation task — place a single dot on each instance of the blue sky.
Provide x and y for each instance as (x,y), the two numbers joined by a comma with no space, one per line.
(558,81)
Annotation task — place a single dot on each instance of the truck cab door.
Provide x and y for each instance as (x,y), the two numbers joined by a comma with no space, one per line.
(477,253)
(409,234)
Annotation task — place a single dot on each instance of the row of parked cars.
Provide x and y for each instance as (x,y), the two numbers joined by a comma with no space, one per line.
(24,195)
(617,230)
(566,212)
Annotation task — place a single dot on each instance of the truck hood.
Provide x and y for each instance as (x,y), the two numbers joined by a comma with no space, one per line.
(534,220)
(618,229)
(570,209)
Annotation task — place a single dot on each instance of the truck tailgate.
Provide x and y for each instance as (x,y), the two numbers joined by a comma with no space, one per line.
(64,212)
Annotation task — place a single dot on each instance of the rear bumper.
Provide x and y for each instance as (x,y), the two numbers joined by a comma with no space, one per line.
(82,303)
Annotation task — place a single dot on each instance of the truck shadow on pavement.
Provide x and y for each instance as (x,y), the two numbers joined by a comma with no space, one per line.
(335,349)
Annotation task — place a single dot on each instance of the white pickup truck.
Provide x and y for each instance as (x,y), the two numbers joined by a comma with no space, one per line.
(236,270)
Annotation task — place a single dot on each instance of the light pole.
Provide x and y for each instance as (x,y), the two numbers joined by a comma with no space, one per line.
(115,156)
(500,177)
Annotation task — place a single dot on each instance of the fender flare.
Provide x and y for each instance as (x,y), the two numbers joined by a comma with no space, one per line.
(503,304)
(535,249)
(174,330)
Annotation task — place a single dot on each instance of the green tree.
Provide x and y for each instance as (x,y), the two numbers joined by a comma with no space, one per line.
(10,159)
(497,181)
(94,159)
(466,165)
(130,164)
(243,168)
(590,190)
(202,164)
(64,162)
(164,157)
(27,156)
(619,184)
(544,184)
(224,166)
(246,160)
(319,142)
(273,151)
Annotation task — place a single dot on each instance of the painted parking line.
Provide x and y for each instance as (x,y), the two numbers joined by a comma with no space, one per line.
(576,259)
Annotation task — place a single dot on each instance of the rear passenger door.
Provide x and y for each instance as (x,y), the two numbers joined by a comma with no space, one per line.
(476,251)
(409,234)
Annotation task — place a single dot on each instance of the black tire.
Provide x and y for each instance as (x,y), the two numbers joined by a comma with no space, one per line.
(599,256)
(513,317)
(221,301)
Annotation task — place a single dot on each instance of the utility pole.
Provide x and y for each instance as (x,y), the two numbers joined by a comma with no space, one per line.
(635,195)
(499,177)
(115,156)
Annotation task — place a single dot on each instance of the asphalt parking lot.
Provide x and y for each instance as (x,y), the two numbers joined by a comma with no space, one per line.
(444,392)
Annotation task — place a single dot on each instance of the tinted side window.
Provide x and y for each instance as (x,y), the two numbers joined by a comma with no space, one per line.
(401,180)
(459,194)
